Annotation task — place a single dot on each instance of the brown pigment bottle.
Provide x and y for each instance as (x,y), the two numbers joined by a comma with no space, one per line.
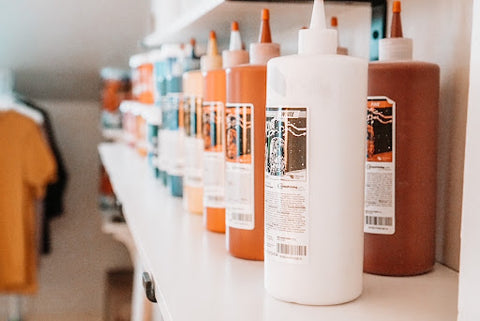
(401,168)
(245,148)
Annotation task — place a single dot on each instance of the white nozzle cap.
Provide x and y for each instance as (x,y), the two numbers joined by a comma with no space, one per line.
(394,49)
(235,41)
(318,39)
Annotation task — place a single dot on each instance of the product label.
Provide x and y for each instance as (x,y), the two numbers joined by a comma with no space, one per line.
(239,188)
(213,179)
(286,185)
(152,144)
(213,157)
(193,162)
(192,112)
(380,167)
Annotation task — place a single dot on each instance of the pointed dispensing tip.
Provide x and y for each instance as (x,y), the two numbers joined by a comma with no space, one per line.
(334,22)
(213,35)
(318,15)
(235,26)
(235,38)
(397,7)
(265,14)
(265,33)
(396,29)
(193,42)
(212,49)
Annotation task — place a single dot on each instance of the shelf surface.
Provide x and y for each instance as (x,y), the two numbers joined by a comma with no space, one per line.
(196,278)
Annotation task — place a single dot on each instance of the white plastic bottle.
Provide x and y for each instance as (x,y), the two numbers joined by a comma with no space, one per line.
(314,170)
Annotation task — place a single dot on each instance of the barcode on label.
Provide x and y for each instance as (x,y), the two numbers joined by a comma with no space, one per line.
(241,217)
(296,250)
(379,221)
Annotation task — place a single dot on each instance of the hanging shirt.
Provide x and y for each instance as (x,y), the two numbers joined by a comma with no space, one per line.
(26,167)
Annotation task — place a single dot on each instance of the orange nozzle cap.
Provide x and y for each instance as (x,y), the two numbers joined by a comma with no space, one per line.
(334,22)
(235,26)
(265,33)
(193,42)
(396,29)
(397,7)
(212,48)
(265,14)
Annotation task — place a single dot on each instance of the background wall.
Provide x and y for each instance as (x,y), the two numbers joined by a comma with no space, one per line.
(56,47)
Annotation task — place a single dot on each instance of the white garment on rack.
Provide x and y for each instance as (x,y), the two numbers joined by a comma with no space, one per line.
(9,103)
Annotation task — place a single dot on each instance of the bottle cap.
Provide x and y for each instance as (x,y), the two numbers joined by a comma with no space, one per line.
(317,39)
(396,47)
(212,60)
(334,22)
(235,55)
(264,50)
(191,61)
(193,83)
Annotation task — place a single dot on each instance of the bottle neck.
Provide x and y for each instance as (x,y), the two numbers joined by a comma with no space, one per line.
(317,41)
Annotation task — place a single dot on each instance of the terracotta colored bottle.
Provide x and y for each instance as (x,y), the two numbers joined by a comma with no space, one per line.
(244,146)
(401,159)
(214,93)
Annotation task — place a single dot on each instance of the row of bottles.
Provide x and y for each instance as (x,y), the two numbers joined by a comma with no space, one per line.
(276,154)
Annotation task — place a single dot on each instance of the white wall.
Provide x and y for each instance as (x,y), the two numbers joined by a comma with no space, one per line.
(469,286)
(56,47)
(72,277)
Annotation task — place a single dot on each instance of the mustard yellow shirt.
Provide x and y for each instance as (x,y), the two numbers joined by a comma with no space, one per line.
(26,166)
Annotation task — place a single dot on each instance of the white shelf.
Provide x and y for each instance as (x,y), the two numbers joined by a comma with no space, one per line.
(195,18)
(196,278)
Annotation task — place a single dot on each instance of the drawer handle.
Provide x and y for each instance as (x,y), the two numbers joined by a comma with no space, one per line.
(149,287)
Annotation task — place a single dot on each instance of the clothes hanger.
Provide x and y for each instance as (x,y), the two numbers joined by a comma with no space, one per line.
(9,103)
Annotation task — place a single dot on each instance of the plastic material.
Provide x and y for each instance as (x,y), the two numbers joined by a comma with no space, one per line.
(193,178)
(245,143)
(314,182)
(174,136)
(212,60)
(414,87)
(264,50)
(396,47)
(213,161)
(235,55)
(317,39)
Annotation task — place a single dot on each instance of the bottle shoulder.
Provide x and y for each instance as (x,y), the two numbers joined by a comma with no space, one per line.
(309,60)
(402,65)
